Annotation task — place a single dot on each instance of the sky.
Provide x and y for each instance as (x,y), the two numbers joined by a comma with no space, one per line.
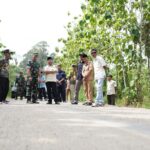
(27,22)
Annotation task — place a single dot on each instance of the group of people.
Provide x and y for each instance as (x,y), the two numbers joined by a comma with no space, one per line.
(51,82)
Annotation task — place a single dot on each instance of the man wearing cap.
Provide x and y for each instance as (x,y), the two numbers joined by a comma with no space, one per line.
(50,71)
(4,75)
(88,77)
(99,71)
(78,80)
(33,71)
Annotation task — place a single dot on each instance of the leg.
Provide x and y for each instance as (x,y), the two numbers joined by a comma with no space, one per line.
(99,88)
(77,89)
(6,89)
(34,89)
(59,93)
(1,89)
(44,93)
(63,93)
(90,90)
(40,93)
(109,99)
(72,88)
(55,92)
(113,99)
(48,85)
(85,89)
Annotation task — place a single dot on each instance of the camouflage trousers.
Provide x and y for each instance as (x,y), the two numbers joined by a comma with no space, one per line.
(32,89)
(20,91)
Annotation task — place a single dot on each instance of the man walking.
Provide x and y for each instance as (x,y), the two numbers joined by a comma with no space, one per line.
(78,80)
(99,70)
(50,71)
(33,71)
(61,84)
(4,75)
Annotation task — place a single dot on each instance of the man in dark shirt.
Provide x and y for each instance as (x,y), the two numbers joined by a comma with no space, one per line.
(4,75)
(78,79)
(61,84)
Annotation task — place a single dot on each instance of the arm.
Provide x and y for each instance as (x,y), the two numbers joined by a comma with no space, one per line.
(85,75)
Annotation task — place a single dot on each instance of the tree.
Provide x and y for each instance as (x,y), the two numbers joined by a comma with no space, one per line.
(42,49)
(113,27)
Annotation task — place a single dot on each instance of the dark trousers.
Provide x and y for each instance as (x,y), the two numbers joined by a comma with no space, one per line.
(111,99)
(42,93)
(62,92)
(4,88)
(52,91)
(77,89)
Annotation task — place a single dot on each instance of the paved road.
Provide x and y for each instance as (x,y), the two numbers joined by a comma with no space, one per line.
(65,127)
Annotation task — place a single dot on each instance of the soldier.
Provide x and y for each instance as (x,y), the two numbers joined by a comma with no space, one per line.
(33,71)
(20,82)
(4,75)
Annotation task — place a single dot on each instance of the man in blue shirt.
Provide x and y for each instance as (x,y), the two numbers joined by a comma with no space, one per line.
(61,84)
(78,79)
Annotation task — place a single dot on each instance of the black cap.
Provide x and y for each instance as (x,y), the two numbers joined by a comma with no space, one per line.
(110,76)
(73,65)
(94,50)
(84,55)
(49,58)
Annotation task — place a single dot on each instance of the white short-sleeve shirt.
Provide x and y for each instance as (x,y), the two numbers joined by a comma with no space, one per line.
(111,85)
(52,76)
(99,70)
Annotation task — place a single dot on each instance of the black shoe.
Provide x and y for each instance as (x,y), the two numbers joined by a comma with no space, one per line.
(34,102)
(49,103)
(74,103)
(29,102)
(87,103)
(6,102)
(57,103)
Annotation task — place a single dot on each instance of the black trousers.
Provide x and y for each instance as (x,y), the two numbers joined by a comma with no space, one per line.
(52,91)
(111,99)
(62,92)
(42,93)
(4,88)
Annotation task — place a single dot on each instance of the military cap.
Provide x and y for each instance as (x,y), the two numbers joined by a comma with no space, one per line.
(35,54)
(7,51)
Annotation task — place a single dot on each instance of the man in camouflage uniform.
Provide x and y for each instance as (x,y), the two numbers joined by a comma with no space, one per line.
(20,83)
(4,75)
(33,71)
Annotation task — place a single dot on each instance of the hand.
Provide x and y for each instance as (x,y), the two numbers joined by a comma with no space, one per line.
(30,78)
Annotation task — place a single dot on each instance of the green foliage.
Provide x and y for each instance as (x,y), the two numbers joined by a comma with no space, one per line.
(113,27)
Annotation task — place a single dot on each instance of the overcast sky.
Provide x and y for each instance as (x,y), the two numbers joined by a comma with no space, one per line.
(26,22)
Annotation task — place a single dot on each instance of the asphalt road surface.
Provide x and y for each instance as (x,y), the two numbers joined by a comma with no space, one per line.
(66,127)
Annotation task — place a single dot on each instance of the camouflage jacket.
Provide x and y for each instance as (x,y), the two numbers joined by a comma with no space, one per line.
(20,81)
(34,68)
(4,68)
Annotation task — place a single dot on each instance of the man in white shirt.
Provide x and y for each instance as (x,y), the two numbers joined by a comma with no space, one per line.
(50,71)
(99,72)
(111,90)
